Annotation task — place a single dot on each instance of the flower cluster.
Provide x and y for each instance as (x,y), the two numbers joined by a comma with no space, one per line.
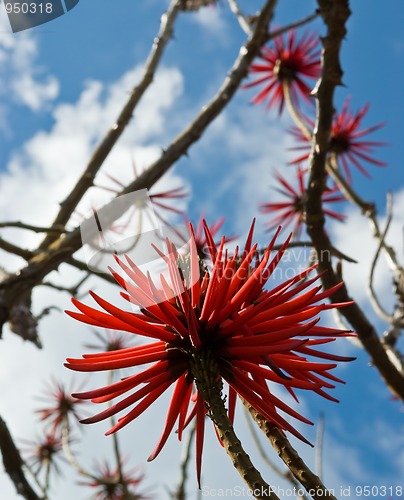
(212,326)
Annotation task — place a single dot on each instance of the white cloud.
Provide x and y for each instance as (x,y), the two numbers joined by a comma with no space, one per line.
(22,78)
(46,167)
(355,239)
(50,162)
(210,19)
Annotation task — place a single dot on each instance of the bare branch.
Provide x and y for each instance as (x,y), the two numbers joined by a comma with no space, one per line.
(297,24)
(64,247)
(104,148)
(16,250)
(319,447)
(286,474)
(373,297)
(13,464)
(335,15)
(180,491)
(35,229)
(291,458)
(368,209)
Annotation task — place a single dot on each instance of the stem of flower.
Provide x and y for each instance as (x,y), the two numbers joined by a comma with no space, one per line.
(231,443)
(294,113)
(312,483)
(286,474)
(180,493)
(116,444)
(69,454)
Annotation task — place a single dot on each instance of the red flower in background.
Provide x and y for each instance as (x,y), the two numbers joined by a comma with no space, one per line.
(290,62)
(61,407)
(111,341)
(110,486)
(42,454)
(224,319)
(346,141)
(291,211)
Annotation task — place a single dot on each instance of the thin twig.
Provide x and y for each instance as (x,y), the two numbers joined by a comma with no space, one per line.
(244,24)
(297,24)
(70,455)
(72,290)
(180,493)
(367,208)
(286,474)
(373,297)
(35,229)
(318,467)
(16,250)
(294,113)
(83,266)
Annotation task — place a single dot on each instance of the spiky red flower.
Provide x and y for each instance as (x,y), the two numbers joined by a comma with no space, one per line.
(202,245)
(292,211)
(346,144)
(61,406)
(212,326)
(112,486)
(290,62)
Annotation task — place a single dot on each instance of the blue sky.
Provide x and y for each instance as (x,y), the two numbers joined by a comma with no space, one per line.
(63,84)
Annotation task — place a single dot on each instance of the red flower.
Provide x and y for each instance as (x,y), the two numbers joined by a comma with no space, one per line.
(199,236)
(110,486)
(61,407)
(291,211)
(161,200)
(42,454)
(111,341)
(289,62)
(221,326)
(346,143)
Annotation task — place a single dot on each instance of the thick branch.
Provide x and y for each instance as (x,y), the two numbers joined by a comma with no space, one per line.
(13,464)
(335,14)
(232,444)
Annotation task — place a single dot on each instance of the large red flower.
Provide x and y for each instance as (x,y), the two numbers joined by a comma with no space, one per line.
(292,210)
(217,325)
(290,62)
(346,143)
